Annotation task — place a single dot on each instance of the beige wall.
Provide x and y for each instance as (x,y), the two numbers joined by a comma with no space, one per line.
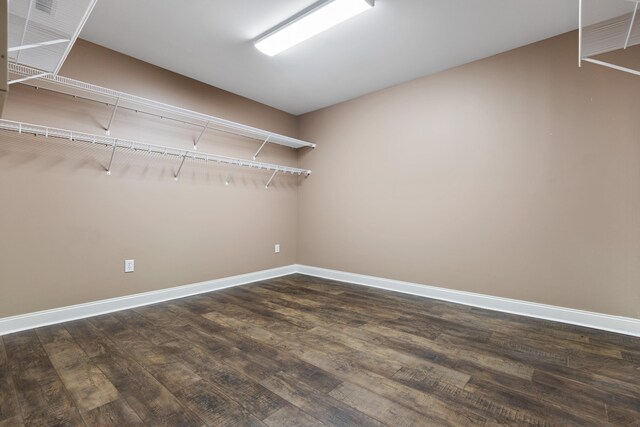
(516,176)
(66,227)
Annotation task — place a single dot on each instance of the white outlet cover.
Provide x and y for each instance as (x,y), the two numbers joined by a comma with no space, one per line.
(277,248)
(129,266)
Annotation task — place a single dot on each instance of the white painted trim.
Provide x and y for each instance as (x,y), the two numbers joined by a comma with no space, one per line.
(81,311)
(621,325)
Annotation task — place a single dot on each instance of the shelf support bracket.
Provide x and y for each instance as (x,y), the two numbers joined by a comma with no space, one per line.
(261,147)
(195,144)
(113,152)
(579,33)
(26,24)
(633,20)
(35,45)
(113,114)
(24,79)
(271,179)
(615,67)
(184,157)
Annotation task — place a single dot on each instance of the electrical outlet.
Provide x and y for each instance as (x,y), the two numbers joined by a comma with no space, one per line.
(128,266)
(277,248)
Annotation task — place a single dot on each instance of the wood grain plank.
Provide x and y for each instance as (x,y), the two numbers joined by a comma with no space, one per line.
(215,408)
(41,394)
(587,398)
(350,370)
(86,384)
(248,393)
(153,403)
(88,337)
(12,422)
(445,373)
(296,342)
(149,330)
(380,408)
(114,414)
(9,408)
(630,388)
(292,416)
(319,405)
(300,350)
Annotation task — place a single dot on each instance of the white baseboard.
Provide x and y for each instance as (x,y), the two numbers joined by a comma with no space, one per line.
(621,325)
(64,314)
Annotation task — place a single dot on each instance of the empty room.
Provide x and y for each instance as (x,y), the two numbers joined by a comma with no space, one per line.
(319,213)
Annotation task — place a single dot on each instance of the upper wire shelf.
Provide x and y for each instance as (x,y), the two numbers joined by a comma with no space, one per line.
(613,34)
(24,73)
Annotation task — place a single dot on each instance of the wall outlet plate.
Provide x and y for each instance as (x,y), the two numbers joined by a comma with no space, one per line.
(277,248)
(129,266)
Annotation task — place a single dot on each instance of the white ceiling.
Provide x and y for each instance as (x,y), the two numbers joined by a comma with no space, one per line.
(396,41)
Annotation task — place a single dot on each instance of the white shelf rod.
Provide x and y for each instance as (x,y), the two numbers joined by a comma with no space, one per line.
(271,179)
(615,67)
(255,156)
(35,45)
(195,144)
(579,33)
(108,141)
(177,175)
(113,152)
(75,35)
(26,78)
(633,19)
(113,114)
(214,122)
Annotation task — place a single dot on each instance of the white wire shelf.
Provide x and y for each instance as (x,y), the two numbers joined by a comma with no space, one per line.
(24,73)
(613,34)
(115,143)
(42,33)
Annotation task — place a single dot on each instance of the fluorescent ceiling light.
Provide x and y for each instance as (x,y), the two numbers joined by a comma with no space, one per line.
(314,20)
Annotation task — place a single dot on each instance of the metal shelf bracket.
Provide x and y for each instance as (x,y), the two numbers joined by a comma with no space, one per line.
(255,156)
(195,144)
(114,143)
(271,179)
(184,157)
(113,114)
(113,152)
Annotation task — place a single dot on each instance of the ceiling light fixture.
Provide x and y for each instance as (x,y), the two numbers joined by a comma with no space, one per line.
(319,17)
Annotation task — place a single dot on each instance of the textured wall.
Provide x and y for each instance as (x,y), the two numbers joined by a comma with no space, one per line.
(66,227)
(516,176)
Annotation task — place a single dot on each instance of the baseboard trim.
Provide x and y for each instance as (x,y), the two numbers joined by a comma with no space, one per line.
(64,314)
(605,322)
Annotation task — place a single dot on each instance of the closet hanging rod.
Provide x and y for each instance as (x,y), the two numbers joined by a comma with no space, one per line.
(110,141)
(214,122)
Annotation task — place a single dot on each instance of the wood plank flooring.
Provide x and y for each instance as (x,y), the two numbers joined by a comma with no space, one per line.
(302,351)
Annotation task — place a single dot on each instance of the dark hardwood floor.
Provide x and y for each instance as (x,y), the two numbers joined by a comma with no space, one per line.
(301,351)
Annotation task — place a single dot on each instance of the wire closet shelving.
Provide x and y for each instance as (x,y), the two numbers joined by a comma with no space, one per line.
(34,77)
(613,34)
(118,99)
(115,143)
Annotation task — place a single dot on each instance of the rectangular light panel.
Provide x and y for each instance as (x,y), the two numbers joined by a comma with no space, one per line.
(314,21)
